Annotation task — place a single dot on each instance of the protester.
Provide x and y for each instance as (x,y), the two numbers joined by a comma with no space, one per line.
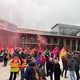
(51,68)
(36,62)
(57,70)
(5,56)
(65,66)
(77,66)
(42,67)
(31,72)
(22,67)
(21,54)
(27,55)
(71,65)
(47,63)
(1,56)
(14,67)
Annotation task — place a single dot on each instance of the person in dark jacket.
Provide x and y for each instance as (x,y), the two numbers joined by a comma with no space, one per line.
(51,68)
(21,54)
(57,70)
(28,73)
(47,63)
(71,65)
(5,57)
(77,66)
(32,73)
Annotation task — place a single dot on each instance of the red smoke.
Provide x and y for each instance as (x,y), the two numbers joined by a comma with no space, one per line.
(42,42)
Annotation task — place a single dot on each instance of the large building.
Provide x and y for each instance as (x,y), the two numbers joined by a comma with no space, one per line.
(65,29)
(12,36)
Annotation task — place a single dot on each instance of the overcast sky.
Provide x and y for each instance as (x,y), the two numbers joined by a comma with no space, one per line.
(40,14)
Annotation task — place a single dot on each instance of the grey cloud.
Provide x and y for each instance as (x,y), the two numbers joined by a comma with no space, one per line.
(40,14)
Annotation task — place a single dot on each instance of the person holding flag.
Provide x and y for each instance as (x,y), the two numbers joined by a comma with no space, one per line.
(62,54)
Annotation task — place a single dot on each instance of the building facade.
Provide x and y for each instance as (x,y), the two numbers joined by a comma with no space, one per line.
(65,29)
(12,36)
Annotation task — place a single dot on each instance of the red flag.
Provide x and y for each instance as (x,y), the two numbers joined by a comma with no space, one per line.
(55,50)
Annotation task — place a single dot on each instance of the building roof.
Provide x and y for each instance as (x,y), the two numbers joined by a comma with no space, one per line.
(13,28)
(30,31)
(66,25)
(4,25)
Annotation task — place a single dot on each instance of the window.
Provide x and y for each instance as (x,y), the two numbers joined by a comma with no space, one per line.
(23,38)
(32,40)
(55,41)
(61,44)
(48,40)
(73,44)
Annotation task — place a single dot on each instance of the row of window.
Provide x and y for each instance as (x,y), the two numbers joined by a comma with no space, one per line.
(61,42)
(32,40)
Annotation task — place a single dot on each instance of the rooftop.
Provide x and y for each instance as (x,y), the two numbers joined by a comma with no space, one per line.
(66,25)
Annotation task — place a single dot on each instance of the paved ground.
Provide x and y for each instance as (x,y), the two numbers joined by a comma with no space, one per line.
(4,73)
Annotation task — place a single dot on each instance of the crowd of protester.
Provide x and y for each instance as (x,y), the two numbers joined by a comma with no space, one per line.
(38,65)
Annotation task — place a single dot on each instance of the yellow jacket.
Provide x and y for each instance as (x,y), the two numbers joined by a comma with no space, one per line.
(14,64)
